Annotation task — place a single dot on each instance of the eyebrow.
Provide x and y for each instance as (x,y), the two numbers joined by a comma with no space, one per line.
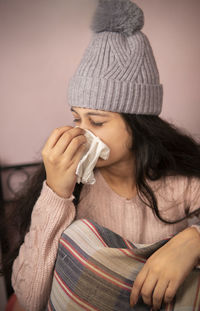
(93,113)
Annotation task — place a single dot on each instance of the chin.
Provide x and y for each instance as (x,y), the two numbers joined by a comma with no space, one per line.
(101,163)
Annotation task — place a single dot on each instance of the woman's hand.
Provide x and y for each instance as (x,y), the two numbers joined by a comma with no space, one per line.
(61,155)
(166,269)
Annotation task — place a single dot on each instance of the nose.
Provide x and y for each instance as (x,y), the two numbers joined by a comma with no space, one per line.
(85,125)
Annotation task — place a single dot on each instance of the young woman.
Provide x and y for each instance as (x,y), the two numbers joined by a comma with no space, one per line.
(146,189)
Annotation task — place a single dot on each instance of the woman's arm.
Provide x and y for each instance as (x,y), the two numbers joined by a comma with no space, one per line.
(167,268)
(53,212)
(33,268)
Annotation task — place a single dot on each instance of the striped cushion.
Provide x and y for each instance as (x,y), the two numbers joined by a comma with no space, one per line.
(96,268)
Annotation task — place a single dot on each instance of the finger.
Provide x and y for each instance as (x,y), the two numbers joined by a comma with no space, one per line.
(67,136)
(69,142)
(170,292)
(57,133)
(137,286)
(158,294)
(74,146)
(148,288)
(78,155)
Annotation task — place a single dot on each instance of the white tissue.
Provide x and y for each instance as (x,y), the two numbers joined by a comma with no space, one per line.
(95,149)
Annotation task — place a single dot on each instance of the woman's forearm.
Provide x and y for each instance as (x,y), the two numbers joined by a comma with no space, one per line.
(195,230)
(167,268)
(33,268)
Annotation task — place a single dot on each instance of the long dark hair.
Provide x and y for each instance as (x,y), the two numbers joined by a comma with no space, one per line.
(159,149)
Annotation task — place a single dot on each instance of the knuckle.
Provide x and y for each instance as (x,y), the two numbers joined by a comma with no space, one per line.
(68,135)
(76,131)
(169,296)
(52,159)
(57,130)
(145,293)
(60,130)
(79,140)
(44,153)
(136,287)
(138,280)
(80,130)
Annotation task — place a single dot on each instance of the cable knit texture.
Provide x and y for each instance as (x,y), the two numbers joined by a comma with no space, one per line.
(33,269)
(118,71)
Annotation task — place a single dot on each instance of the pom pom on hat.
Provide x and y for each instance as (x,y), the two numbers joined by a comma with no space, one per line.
(122,16)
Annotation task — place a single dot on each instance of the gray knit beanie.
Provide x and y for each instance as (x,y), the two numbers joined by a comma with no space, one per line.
(118,71)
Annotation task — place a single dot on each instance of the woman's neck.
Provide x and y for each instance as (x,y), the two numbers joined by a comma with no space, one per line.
(121,179)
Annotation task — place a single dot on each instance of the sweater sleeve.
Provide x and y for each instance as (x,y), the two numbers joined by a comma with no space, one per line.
(193,202)
(33,268)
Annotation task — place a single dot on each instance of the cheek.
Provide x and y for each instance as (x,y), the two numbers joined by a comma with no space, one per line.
(119,143)
(119,148)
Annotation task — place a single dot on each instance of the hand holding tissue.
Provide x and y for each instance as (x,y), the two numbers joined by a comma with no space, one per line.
(95,149)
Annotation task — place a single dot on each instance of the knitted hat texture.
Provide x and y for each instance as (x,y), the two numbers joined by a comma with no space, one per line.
(118,71)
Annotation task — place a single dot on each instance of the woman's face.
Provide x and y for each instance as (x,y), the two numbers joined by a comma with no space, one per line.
(111,128)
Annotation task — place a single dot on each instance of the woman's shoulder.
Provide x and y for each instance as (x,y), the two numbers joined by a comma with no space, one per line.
(177,187)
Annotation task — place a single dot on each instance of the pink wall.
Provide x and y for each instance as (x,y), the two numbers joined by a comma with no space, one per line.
(42,42)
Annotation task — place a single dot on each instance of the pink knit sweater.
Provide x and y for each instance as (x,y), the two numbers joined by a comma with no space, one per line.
(132,219)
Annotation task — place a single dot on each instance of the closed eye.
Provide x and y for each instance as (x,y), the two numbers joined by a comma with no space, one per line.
(96,123)
(76,120)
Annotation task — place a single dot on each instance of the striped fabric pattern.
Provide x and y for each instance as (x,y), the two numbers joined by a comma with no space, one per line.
(96,268)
